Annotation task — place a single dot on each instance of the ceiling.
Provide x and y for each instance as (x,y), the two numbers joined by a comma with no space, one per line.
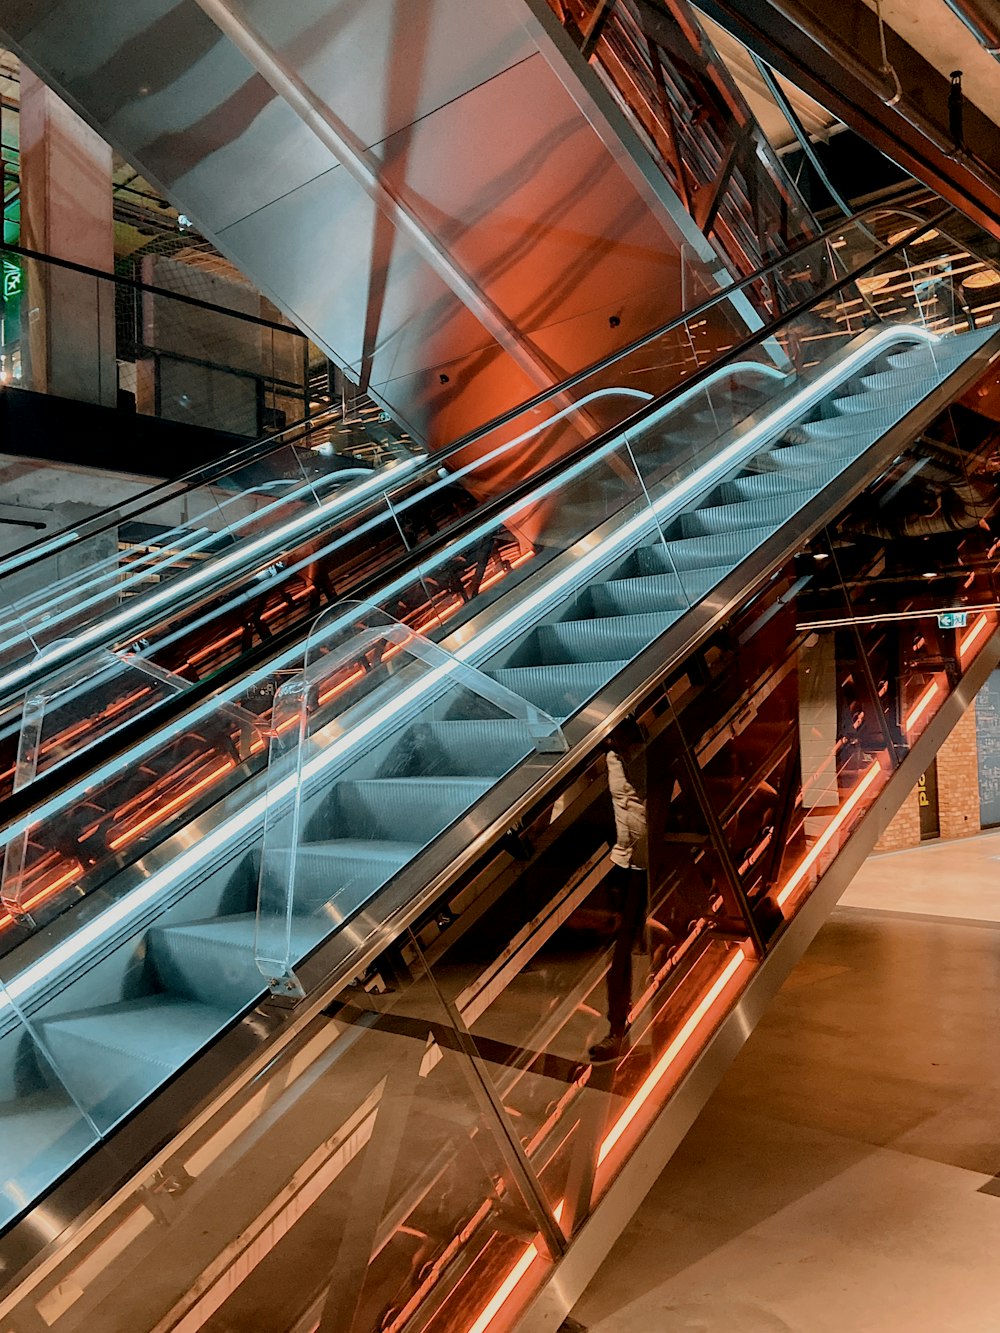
(944,41)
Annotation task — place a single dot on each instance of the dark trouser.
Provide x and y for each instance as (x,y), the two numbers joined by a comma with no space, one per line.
(629,894)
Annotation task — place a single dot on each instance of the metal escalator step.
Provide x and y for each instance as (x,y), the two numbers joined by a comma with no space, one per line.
(371,809)
(917,366)
(765,511)
(114,1056)
(757,484)
(719,548)
(941,357)
(633,596)
(795,458)
(467,747)
(559,690)
(212,962)
(593,640)
(897,398)
(41,1134)
(654,558)
(901,378)
(861,425)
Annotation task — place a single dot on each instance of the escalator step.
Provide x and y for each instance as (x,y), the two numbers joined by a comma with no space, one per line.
(721,548)
(767,511)
(460,747)
(116,1055)
(796,458)
(558,690)
(758,484)
(39,1133)
(624,597)
(574,641)
(898,398)
(654,558)
(375,808)
(938,359)
(212,962)
(866,426)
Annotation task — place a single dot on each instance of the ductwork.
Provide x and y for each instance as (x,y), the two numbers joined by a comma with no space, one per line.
(766,28)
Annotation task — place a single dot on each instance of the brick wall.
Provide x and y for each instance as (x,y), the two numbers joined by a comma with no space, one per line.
(958,792)
(904,828)
(958,780)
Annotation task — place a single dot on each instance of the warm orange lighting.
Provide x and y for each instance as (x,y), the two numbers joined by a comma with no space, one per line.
(128,835)
(508,1285)
(979,625)
(169,807)
(649,1085)
(44,892)
(659,1070)
(922,705)
(825,838)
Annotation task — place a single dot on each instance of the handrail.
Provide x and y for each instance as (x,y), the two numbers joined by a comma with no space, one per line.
(60,780)
(260,449)
(137,285)
(129,624)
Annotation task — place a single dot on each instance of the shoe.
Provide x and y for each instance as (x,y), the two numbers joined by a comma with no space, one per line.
(608,1049)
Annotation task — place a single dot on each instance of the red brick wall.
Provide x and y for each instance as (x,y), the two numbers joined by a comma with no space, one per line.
(958,780)
(958,792)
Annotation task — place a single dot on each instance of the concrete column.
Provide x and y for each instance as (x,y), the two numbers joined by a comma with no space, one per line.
(68,333)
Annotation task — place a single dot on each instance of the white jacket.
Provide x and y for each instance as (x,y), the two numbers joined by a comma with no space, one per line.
(630,818)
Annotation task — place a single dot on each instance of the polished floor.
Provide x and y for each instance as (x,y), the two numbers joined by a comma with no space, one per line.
(843,1178)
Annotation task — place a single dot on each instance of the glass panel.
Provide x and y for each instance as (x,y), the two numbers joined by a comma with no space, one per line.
(383,741)
(750,764)
(183,529)
(46,1127)
(77,709)
(364,1180)
(585,1000)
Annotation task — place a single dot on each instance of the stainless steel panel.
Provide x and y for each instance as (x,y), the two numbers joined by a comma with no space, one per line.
(457,115)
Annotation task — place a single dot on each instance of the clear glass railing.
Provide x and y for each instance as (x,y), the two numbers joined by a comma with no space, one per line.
(285,535)
(687,494)
(118,577)
(372,691)
(459,1099)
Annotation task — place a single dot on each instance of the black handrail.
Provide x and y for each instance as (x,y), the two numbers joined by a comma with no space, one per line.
(260,449)
(121,280)
(61,779)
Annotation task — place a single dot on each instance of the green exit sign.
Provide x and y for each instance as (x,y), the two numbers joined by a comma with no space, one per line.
(953,619)
(11,279)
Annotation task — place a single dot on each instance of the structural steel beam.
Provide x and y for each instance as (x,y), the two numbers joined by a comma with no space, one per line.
(832,53)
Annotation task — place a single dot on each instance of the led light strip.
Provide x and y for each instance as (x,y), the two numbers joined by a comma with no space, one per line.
(235,825)
(652,1080)
(924,701)
(105,630)
(398,585)
(702,479)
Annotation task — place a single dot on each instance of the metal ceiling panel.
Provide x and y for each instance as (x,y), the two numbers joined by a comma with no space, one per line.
(411,181)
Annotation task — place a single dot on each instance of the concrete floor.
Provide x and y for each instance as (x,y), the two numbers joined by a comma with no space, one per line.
(842,1178)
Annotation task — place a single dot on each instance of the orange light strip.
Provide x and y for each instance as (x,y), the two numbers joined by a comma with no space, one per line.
(659,1070)
(656,1075)
(922,705)
(510,1282)
(169,807)
(970,638)
(826,837)
(40,895)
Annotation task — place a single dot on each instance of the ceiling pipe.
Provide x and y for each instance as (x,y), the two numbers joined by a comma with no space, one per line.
(984,27)
(881,83)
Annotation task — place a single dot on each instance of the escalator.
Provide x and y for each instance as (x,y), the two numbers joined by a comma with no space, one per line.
(231,593)
(730,594)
